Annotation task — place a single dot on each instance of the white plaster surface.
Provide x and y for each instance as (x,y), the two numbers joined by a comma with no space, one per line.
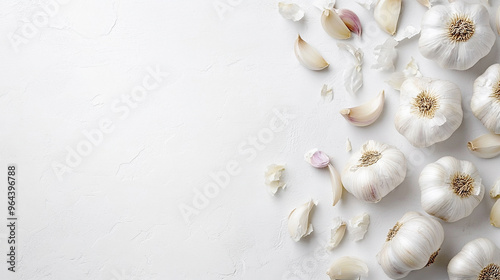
(116,214)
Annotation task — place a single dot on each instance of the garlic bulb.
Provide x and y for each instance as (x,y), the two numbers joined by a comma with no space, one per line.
(429,110)
(348,268)
(309,56)
(412,244)
(451,189)
(478,260)
(386,14)
(298,221)
(485,101)
(495,214)
(456,36)
(374,171)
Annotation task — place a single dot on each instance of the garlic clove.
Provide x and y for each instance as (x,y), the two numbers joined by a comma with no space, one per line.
(351,20)
(334,26)
(495,190)
(273,177)
(317,158)
(347,268)
(497,20)
(495,214)
(327,93)
(298,221)
(366,113)
(336,184)
(426,3)
(485,146)
(358,226)
(337,233)
(348,145)
(309,56)
(386,14)
(291,11)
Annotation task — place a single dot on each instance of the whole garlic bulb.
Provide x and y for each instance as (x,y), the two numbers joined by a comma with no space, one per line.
(478,259)
(374,171)
(451,188)
(429,111)
(485,102)
(412,244)
(456,36)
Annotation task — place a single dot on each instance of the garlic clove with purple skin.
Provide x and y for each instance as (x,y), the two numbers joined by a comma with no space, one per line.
(351,20)
(319,159)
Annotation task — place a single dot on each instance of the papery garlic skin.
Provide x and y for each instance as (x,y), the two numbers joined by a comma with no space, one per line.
(337,233)
(374,171)
(451,188)
(386,14)
(298,221)
(291,11)
(273,177)
(358,226)
(478,260)
(412,244)
(347,268)
(429,110)
(485,101)
(485,146)
(309,56)
(495,214)
(456,36)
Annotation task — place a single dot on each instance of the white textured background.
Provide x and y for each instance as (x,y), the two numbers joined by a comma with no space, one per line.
(231,64)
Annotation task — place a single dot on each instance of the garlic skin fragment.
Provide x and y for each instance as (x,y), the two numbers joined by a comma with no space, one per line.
(451,188)
(398,78)
(353,76)
(478,260)
(495,214)
(327,93)
(456,36)
(298,221)
(334,26)
(385,55)
(495,190)
(273,177)
(291,11)
(485,101)
(358,226)
(412,244)
(337,233)
(374,171)
(386,14)
(429,111)
(366,113)
(348,268)
(485,146)
(309,56)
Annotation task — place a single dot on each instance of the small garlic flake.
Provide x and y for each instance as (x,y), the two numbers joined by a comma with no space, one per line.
(347,268)
(348,146)
(397,78)
(273,178)
(291,11)
(337,233)
(495,190)
(327,93)
(358,226)
(298,221)
(408,33)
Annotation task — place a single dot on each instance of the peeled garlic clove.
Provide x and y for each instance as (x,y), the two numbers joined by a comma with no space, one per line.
(337,233)
(495,190)
(298,221)
(451,188)
(347,268)
(478,259)
(485,146)
(387,15)
(358,226)
(412,244)
(374,171)
(485,101)
(333,25)
(351,20)
(273,177)
(309,56)
(336,184)
(291,11)
(495,214)
(367,113)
